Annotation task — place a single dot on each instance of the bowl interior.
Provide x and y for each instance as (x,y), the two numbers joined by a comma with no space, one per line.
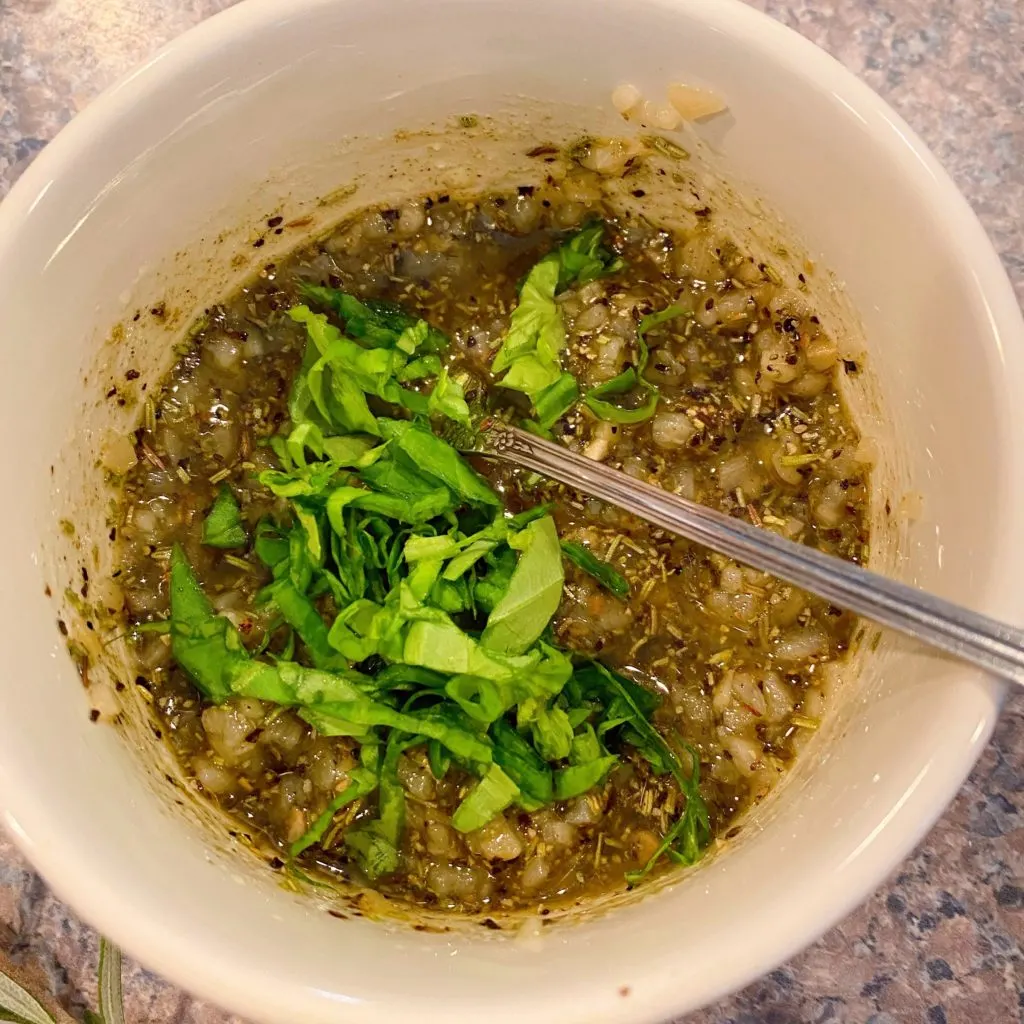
(158,193)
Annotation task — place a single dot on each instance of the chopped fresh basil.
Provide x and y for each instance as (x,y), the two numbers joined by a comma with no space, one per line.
(376,843)
(534,591)
(536,334)
(628,709)
(492,586)
(352,629)
(527,516)
(481,699)
(552,733)
(581,778)
(399,479)
(361,783)
(222,528)
(620,414)
(487,799)
(609,578)
(439,759)
(589,763)
(625,383)
(556,400)
(436,458)
(378,323)
(302,615)
(416,604)
(527,768)
(584,258)
(448,399)
(207,646)
(645,400)
(461,741)
(418,369)
(416,511)
(530,355)
(653,319)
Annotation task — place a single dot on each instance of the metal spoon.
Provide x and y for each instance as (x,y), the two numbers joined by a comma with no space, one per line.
(993,646)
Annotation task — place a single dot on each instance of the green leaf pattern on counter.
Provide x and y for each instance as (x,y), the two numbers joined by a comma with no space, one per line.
(19,1006)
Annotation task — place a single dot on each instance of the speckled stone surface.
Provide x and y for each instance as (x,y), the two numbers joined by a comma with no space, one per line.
(942,942)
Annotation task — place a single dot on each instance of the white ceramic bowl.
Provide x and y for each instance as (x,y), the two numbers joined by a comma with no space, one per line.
(213,133)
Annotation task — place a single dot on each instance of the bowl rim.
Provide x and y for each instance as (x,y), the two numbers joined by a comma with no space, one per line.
(245,988)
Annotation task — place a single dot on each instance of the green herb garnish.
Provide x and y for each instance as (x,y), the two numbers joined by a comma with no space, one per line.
(627,710)
(534,591)
(631,381)
(449,399)
(223,528)
(610,578)
(417,607)
(530,355)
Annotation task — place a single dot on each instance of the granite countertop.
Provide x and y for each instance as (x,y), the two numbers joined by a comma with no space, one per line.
(942,942)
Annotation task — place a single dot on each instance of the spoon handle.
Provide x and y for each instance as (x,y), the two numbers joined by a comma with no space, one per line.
(994,646)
